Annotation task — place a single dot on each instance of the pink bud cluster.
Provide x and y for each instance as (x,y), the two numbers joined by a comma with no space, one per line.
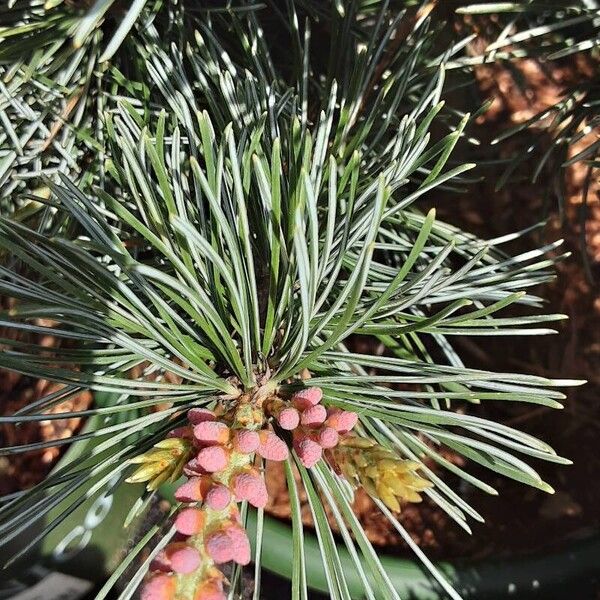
(314,428)
(220,474)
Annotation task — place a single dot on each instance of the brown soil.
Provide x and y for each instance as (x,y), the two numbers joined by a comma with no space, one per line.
(25,470)
(22,471)
(523,519)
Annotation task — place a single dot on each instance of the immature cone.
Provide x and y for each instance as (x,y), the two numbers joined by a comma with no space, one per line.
(184,559)
(164,462)
(246,441)
(210,531)
(228,543)
(240,543)
(307,397)
(271,446)
(342,421)
(218,547)
(313,416)
(159,587)
(218,497)
(249,485)
(216,455)
(190,521)
(208,433)
(193,490)
(309,452)
(288,418)
(328,437)
(212,459)
(380,472)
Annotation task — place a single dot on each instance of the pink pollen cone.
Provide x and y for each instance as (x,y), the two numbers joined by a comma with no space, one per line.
(272,447)
(342,420)
(328,437)
(308,451)
(213,459)
(250,486)
(260,499)
(159,587)
(191,491)
(240,544)
(218,497)
(315,415)
(184,559)
(246,441)
(208,433)
(307,397)
(200,415)
(219,547)
(189,521)
(288,418)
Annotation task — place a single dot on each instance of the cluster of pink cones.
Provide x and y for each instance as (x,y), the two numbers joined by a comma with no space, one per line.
(221,474)
(314,428)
